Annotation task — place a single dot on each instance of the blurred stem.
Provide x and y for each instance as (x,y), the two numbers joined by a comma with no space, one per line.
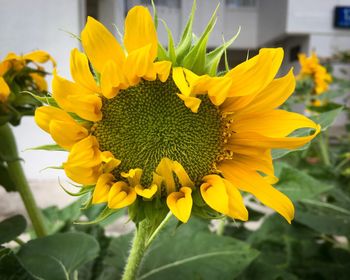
(221,226)
(324,150)
(144,235)
(9,153)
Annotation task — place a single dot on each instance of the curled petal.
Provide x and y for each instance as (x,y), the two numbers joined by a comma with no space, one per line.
(147,193)
(103,185)
(109,162)
(121,195)
(133,176)
(180,204)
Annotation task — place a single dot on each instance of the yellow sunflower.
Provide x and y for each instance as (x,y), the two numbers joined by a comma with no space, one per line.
(156,130)
(310,66)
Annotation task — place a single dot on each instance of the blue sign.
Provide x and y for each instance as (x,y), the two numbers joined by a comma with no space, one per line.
(342,17)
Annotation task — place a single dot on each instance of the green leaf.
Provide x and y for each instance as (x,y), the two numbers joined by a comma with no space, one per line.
(171,47)
(189,253)
(11,228)
(50,147)
(106,212)
(186,38)
(213,58)
(56,257)
(297,184)
(195,60)
(11,268)
(326,119)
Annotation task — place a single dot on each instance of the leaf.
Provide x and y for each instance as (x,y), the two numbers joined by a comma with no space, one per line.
(324,119)
(188,253)
(11,268)
(50,147)
(11,228)
(171,47)
(56,257)
(297,184)
(328,118)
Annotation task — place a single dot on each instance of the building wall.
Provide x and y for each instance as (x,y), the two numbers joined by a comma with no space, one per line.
(38,24)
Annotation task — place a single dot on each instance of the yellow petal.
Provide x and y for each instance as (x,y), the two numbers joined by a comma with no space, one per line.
(85,153)
(237,209)
(109,162)
(165,170)
(255,74)
(133,176)
(5,65)
(162,68)
(214,193)
(4,90)
(121,195)
(253,139)
(147,193)
(138,64)
(180,204)
(253,183)
(274,95)
(39,81)
(190,102)
(140,31)
(182,175)
(103,185)
(73,98)
(100,45)
(80,71)
(39,56)
(112,79)
(45,114)
(66,134)
(82,175)
(181,81)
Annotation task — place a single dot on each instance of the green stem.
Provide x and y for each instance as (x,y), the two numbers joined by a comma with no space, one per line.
(144,235)
(16,173)
(324,151)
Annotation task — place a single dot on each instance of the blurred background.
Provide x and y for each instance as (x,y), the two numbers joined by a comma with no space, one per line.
(296,25)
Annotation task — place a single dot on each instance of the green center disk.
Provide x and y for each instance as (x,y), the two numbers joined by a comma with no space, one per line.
(147,122)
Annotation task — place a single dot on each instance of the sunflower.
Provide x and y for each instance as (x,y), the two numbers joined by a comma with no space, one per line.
(157,130)
(311,67)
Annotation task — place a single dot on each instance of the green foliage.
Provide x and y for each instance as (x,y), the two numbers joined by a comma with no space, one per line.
(11,228)
(58,256)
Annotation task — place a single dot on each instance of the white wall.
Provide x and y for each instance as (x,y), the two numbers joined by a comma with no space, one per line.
(37,24)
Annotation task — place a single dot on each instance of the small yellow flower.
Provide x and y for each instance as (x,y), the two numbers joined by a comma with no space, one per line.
(164,132)
(310,66)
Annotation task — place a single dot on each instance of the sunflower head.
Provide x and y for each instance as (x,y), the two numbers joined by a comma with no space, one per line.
(156,130)
(18,74)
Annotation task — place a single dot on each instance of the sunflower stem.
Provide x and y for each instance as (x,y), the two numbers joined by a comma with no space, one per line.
(324,151)
(144,235)
(8,153)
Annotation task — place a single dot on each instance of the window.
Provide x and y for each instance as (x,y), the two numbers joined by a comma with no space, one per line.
(241,3)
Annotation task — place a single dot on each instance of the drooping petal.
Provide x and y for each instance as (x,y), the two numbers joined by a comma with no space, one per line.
(162,69)
(109,162)
(236,207)
(80,71)
(40,57)
(182,175)
(39,81)
(139,64)
(147,193)
(140,31)
(66,134)
(103,185)
(87,106)
(190,102)
(4,90)
(133,176)
(100,45)
(180,203)
(121,195)
(253,183)
(255,74)
(165,170)
(112,79)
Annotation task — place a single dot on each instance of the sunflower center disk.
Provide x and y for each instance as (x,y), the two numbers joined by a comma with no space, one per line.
(147,122)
